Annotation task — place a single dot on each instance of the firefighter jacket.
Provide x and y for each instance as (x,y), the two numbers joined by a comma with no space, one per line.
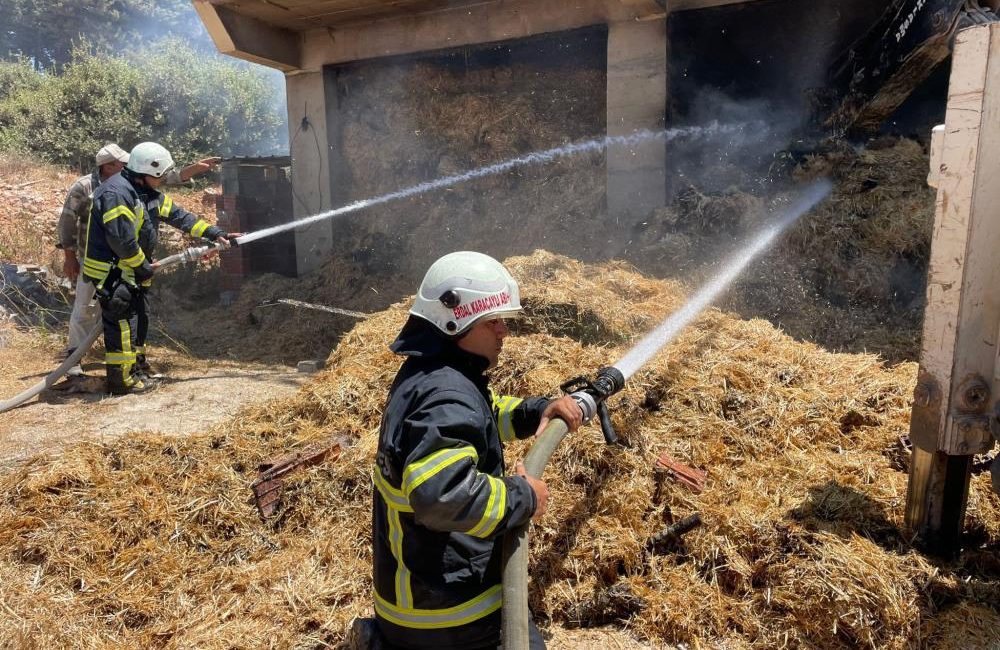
(122,231)
(442,503)
(76,209)
(76,212)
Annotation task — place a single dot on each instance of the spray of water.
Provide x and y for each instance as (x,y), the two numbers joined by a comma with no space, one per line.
(672,326)
(537,158)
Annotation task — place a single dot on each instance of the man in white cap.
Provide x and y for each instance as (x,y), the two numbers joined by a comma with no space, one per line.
(111,159)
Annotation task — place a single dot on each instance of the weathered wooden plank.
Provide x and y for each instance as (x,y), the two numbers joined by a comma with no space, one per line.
(958,383)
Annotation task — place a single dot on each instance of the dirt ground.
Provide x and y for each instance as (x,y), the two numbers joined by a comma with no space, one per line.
(193,395)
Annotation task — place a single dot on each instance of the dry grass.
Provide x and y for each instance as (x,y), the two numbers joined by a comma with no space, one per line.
(153,542)
(31,196)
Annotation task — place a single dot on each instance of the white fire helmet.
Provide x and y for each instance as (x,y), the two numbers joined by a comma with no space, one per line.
(149,158)
(462,288)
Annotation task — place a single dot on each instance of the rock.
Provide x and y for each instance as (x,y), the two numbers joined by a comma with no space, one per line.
(310,366)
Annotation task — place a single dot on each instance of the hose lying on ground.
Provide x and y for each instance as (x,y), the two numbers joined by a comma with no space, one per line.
(55,375)
(189,255)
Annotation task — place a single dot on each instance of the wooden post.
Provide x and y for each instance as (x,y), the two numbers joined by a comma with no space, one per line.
(958,387)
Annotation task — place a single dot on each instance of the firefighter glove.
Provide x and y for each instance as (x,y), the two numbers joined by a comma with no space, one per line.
(214,233)
(143,272)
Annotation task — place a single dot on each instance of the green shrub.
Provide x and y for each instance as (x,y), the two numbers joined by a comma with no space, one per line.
(195,105)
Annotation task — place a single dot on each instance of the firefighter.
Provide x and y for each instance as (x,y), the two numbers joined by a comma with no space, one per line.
(116,263)
(442,503)
(72,229)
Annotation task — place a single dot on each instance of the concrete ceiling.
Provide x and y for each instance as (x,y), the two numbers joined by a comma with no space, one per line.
(291,35)
(301,15)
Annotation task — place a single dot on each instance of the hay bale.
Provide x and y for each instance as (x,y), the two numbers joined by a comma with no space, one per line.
(153,541)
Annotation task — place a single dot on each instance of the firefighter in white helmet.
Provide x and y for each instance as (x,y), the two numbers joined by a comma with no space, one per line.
(121,238)
(73,220)
(443,502)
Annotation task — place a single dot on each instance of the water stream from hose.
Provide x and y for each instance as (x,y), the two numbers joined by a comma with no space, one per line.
(536,158)
(672,326)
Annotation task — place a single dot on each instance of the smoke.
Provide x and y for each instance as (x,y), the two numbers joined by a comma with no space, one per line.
(244,101)
(743,158)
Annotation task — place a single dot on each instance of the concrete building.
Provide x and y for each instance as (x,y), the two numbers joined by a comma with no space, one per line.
(649,50)
(305,38)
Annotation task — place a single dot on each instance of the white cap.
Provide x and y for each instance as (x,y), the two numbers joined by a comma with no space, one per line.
(110,153)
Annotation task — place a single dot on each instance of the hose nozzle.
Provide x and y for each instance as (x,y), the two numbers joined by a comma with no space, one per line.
(591,396)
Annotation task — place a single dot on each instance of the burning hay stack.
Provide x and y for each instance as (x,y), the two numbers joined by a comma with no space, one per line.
(152,541)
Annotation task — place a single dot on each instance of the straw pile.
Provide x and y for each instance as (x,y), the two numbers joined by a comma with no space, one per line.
(404,123)
(851,276)
(153,542)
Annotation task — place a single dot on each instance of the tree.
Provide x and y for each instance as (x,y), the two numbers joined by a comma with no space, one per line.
(194,104)
(46,31)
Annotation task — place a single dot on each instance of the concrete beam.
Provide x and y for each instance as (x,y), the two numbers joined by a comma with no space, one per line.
(692,5)
(248,38)
(453,27)
(309,96)
(637,100)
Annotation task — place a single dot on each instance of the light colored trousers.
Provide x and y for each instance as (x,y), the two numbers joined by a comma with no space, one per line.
(86,313)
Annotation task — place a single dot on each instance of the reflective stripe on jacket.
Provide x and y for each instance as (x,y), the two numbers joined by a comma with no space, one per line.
(119,232)
(163,206)
(116,217)
(442,502)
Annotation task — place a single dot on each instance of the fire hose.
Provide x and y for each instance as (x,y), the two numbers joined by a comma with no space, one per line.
(188,255)
(591,397)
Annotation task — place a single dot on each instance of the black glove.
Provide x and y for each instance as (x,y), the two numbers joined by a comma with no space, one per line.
(119,302)
(144,271)
(214,232)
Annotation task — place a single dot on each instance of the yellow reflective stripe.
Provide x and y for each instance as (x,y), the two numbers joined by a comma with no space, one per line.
(496,507)
(97,264)
(416,473)
(166,207)
(404,594)
(95,273)
(126,337)
(426,619)
(121,210)
(119,358)
(393,498)
(199,228)
(141,219)
(505,416)
(135,260)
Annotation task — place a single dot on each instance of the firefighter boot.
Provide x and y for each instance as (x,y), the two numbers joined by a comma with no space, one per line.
(364,635)
(118,384)
(142,365)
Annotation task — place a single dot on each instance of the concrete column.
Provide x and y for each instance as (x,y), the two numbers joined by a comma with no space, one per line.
(309,145)
(637,99)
